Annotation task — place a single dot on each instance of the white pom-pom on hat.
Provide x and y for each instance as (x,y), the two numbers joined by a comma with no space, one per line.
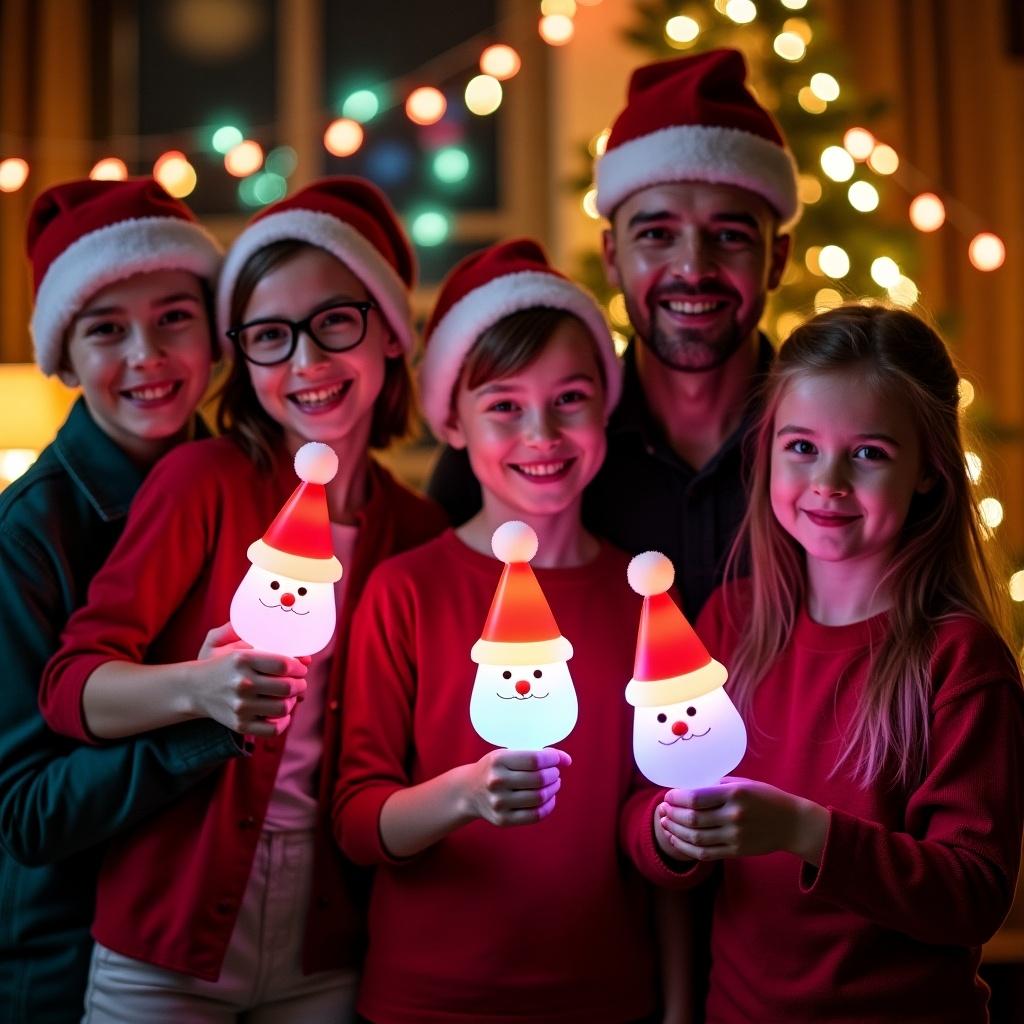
(514,541)
(316,463)
(650,573)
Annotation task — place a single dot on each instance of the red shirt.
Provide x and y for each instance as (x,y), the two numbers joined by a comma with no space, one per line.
(889,927)
(170,890)
(542,922)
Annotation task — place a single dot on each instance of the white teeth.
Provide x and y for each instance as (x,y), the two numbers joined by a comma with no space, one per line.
(315,397)
(150,394)
(542,468)
(692,307)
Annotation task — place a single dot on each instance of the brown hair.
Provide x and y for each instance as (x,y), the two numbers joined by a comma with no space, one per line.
(899,353)
(239,413)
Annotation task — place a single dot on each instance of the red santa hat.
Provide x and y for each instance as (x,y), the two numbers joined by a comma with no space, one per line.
(84,235)
(352,220)
(520,629)
(486,287)
(671,663)
(297,543)
(694,119)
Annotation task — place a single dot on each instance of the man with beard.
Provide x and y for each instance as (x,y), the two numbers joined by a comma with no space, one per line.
(697,185)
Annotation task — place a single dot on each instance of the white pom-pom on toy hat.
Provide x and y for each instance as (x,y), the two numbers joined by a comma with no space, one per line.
(316,463)
(650,573)
(514,541)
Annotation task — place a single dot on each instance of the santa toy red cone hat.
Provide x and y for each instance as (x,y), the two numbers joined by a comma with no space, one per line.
(486,287)
(84,235)
(297,543)
(520,629)
(694,119)
(672,664)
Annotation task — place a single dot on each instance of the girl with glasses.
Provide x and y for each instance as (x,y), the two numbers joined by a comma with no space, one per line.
(235,900)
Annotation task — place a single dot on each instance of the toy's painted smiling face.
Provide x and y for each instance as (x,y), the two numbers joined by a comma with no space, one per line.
(284,615)
(691,743)
(523,706)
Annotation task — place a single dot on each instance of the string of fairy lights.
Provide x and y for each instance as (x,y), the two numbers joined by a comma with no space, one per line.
(263,175)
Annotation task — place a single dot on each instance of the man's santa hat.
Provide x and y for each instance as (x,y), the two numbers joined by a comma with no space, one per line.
(352,220)
(672,664)
(297,543)
(486,287)
(84,235)
(520,629)
(694,119)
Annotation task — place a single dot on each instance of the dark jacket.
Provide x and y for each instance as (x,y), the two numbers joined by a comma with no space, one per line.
(59,801)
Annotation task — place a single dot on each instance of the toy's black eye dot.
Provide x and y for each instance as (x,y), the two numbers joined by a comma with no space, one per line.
(274,585)
(691,711)
(537,673)
(302,591)
(662,718)
(506,674)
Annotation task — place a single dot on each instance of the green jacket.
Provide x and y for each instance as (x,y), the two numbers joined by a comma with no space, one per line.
(60,801)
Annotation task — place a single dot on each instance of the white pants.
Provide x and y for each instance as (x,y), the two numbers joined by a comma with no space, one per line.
(261,981)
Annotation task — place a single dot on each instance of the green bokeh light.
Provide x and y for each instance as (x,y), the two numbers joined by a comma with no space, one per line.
(247,191)
(269,187)
(430,227)
(226,137)
(282,161)
(361,105)
(451,165)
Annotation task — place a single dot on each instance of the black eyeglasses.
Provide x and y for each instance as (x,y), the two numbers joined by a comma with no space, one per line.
(334,329)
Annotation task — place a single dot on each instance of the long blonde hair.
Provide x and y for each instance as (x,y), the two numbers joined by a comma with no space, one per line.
(941,566)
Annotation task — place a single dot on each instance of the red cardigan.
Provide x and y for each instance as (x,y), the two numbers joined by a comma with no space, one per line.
(169,891)
(889,927)
(547,922)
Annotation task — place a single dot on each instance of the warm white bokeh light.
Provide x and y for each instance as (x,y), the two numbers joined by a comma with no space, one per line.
(824,86)
(966,390)
(883,159)
(904,292)
(859,143)
(986,251)
(991,512)
(13,173)
(682,29)
(826,298)
(244,159)
(556,29)
(973,462)
(927,212)
(483,95)
(834,261)
(741,11)
(863,196)
(885,272)
(837,163)
(110,168)
(500,61)
(425,105)
(1017,586)
(343,137)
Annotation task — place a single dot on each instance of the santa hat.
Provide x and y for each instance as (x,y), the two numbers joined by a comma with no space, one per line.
(486,287)
(694,119)
(84,235)
(297,543)
(352,220)
(671,663)
(520,629)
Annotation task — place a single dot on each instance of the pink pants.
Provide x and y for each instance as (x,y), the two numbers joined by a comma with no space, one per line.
(261,981)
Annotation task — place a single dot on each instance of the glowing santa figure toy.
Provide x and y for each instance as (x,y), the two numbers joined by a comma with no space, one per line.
(285,602)
(523,696)
(686,731)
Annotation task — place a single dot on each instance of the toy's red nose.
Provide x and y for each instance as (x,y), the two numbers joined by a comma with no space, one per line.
(523,687)
(287,600)
(679,728)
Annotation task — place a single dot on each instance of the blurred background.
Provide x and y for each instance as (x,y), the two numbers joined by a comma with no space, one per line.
(481,118)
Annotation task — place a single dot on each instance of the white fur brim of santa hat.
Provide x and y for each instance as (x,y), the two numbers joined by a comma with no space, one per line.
(95,260)
(296,567)
(459,329)
(532,652)
(342,241)
(714,154)
(646,693)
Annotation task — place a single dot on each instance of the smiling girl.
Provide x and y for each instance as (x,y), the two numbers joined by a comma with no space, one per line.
(473,919)
(235,899)
(871,839)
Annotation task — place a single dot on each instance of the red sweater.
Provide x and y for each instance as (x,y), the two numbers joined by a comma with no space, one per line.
(910,885)
(169,891)
(542,922)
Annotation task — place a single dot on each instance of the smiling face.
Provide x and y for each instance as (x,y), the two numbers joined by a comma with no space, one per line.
(694,262)
(279,614)
(536,438)
(523,707)
(317,395)
(846,462)
(140,349)
(689,744)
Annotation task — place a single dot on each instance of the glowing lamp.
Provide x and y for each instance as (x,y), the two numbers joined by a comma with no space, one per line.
(343,136)
(523,696)
(110,168)
(686,731)
(285,602)
(244,159)
(425,105)
(483,95)
(13,173)
(986,251)
(500,61)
